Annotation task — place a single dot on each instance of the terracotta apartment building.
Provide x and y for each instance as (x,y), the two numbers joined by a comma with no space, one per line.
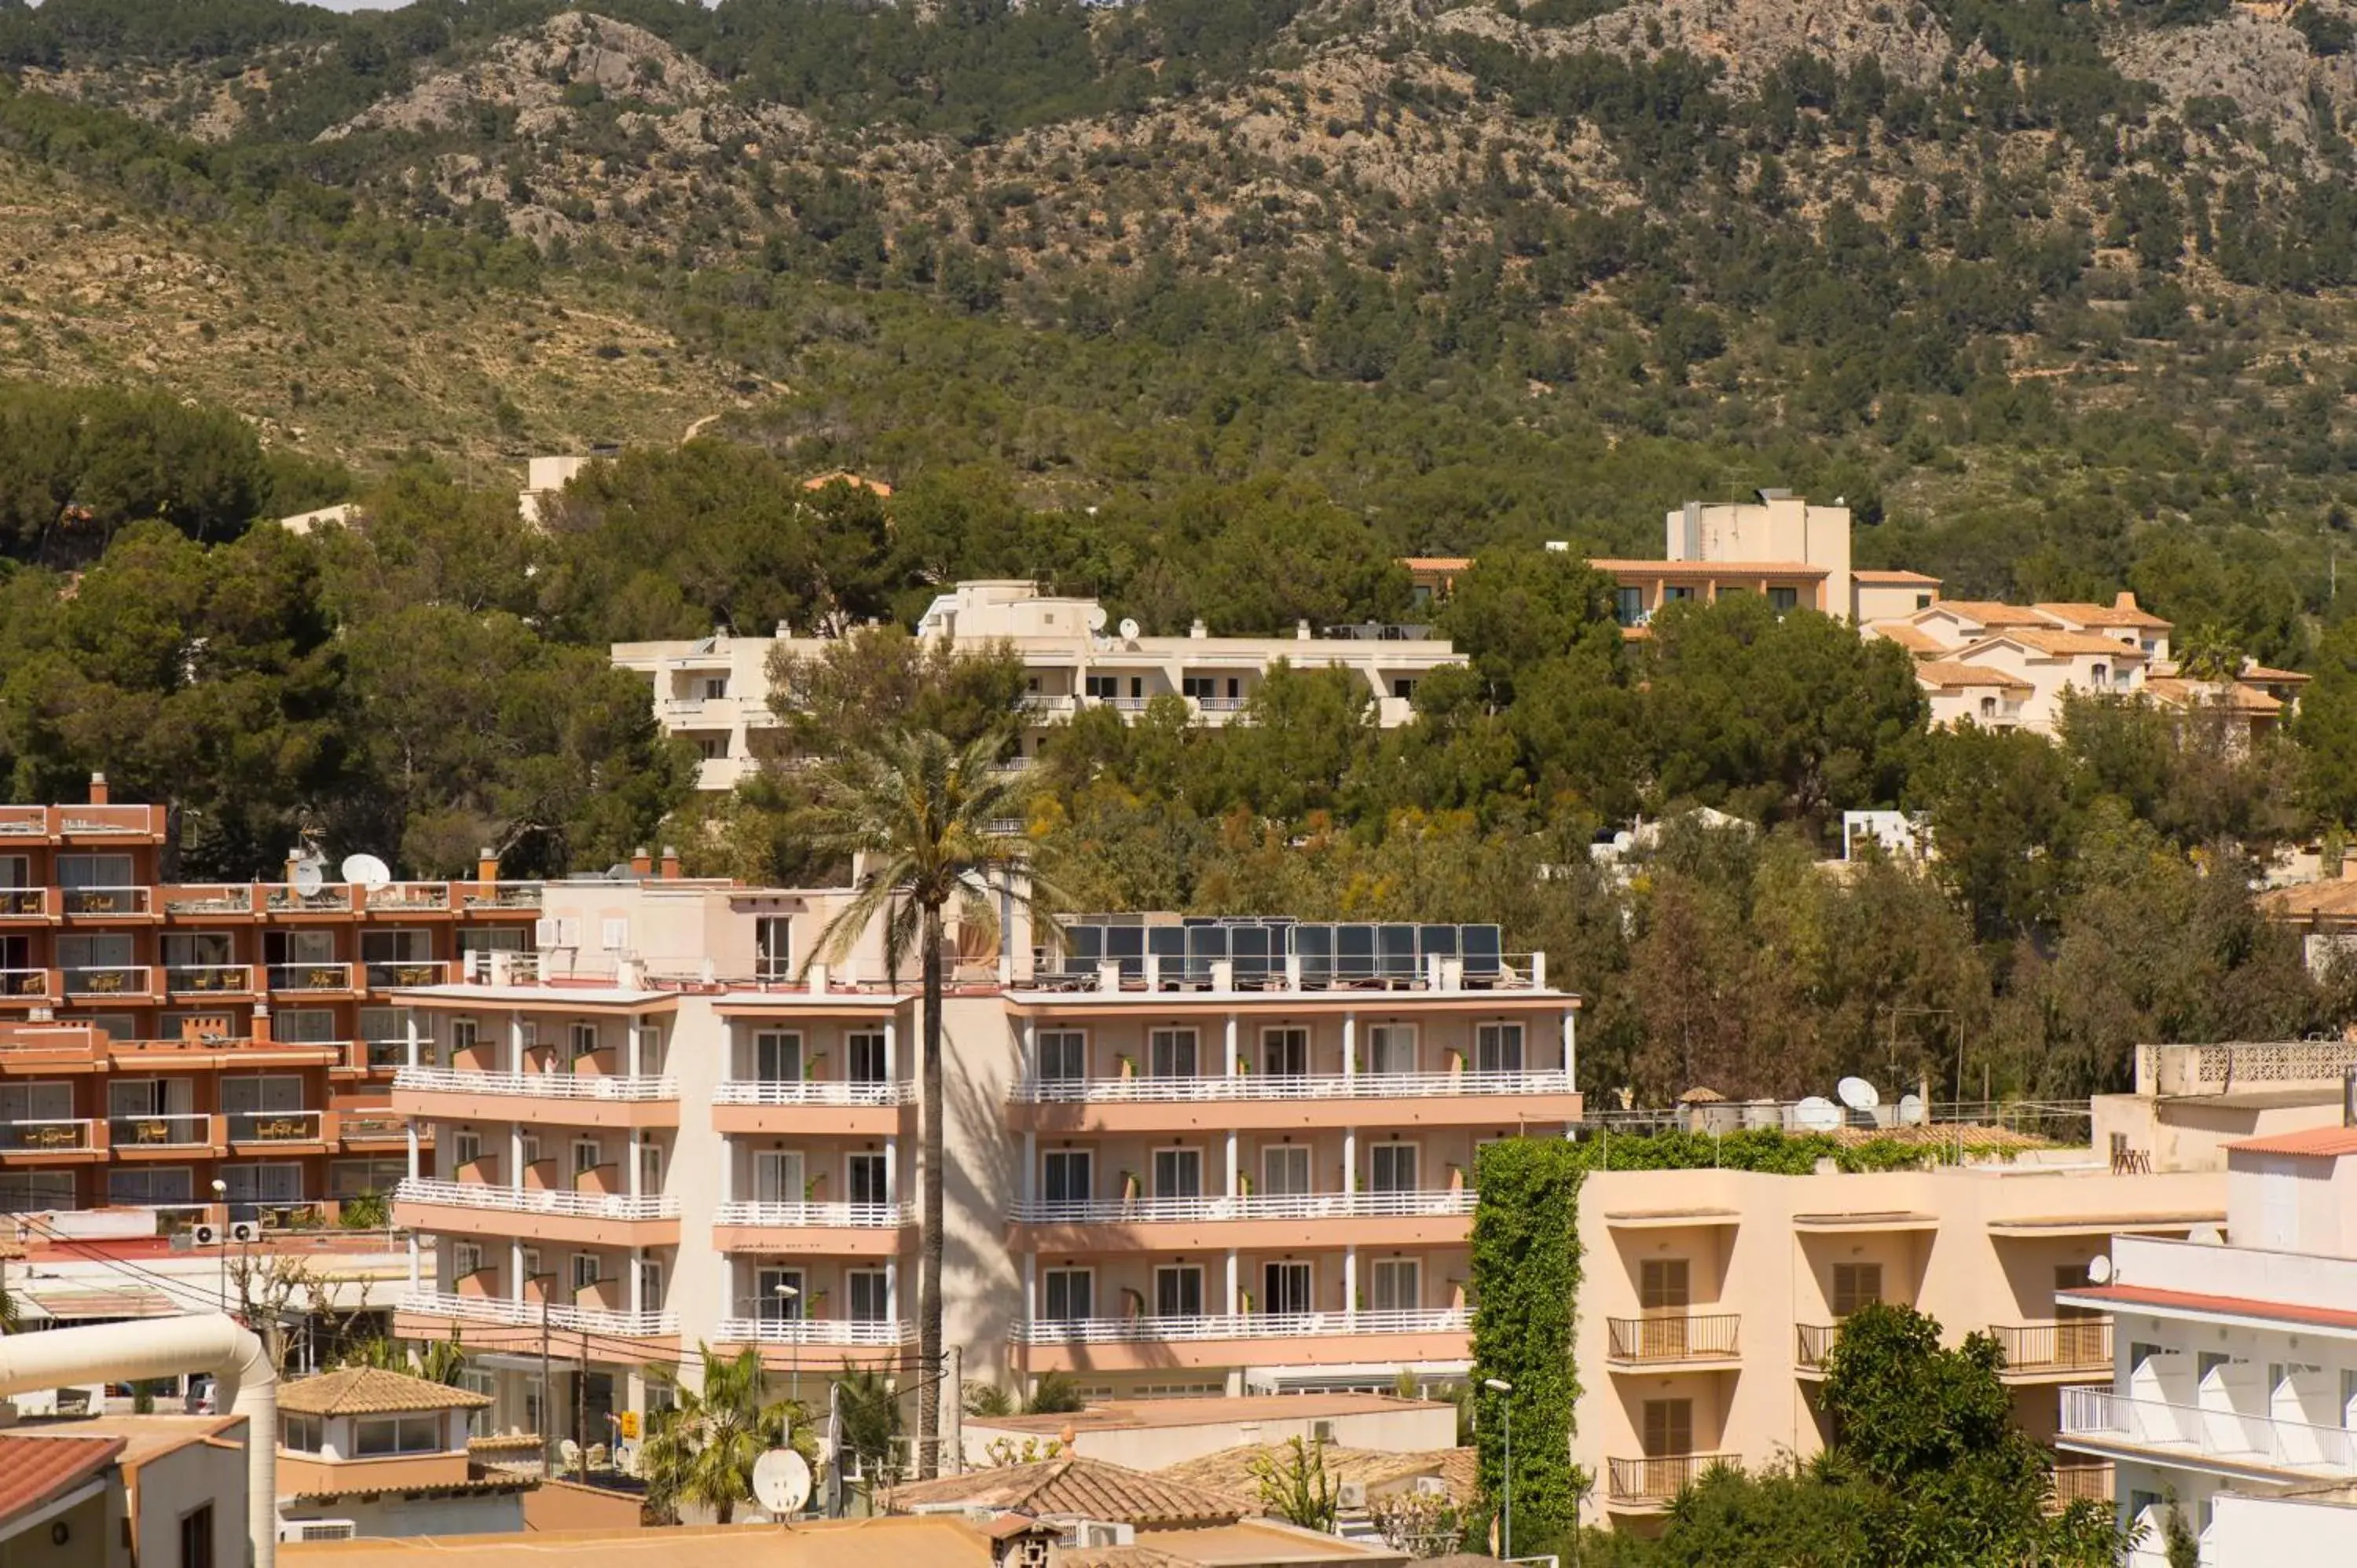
(158,1036)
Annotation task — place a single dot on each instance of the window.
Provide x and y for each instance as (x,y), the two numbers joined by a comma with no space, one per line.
(585,1272)
(2139,1352)
(479,1421)
(196,949)
(774,947)
(462,1035)
(1856,1284)
(650,1285)
(145,1185)
(197,1537)
(1390,1167)
(1783,599)
(1404,689)
(253,1184)
(778,1057)
(1498,1047)
(1102,688)
(715,687)
(299,1433)
(389,1026)
(1171,1054)
(869,1296)
(864,1179)
(1669,1428)
(1398,1284)
(2348,1399)
(1178,1290)
(1136,688)
(778,1295)
(24,1103)
(1284,1053)
(1629,605)
(650,1166)
(1178,1172)
(1923,601)
(2102,674)
(868,1056)
(1662,1284)
(2209,1362)
(1390,1048)
(349,1178)
(82,871)
(1200,688)
(1676,595)
(1284,1289)
(1067,1293)
(584,1040)
(1067,1176)
(270,1094)
(466,1258)
(14,869)
(1284,1170)
(397,946)
(777,1175)
(532,1269)
(466,1147)
(34,1192)
(587,1156)
(493,938)
(379,1437)
(1063,1056)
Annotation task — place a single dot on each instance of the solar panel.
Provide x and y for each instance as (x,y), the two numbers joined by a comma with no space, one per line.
(1314,946)
(1484,950)
(1345,953)
(1354,953)
(1395,952)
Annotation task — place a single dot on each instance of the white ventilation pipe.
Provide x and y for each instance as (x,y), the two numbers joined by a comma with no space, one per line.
(244,1383)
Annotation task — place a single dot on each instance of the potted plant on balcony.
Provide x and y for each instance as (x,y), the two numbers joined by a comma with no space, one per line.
(1456,1178)
(1127,1064)
(1244,1302)
(812,1188)
(1133,1303)
(1129,1187)
(815,1066)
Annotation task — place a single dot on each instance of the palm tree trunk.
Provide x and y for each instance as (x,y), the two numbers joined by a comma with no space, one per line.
(929,1280)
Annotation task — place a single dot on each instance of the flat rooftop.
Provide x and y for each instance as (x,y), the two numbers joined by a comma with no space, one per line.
(901,1542)
(1150,1414)
(144,1438)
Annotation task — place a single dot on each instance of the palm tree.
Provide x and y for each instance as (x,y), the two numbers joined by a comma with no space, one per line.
(924,812)
(701,1450)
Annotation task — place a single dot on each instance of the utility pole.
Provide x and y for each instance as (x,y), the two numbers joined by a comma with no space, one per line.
(951,1405)
(581,1413)
(547,1417)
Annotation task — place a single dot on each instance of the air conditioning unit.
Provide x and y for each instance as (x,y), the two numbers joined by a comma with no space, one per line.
(1431,1487)
(1321,1431)
(1096,1533)
(1351,1495)
(319,1529)
(244,1230)
(207,1235)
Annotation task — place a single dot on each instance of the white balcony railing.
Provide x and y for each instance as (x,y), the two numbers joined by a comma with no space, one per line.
(810,1092)
(528,1315)
(59,1135)
(813,1331)
(537,1085)
(1274,1086)
(275,1126)
(556,1200)
(1439,1204)
(1241,1326)
(2211,1433)
(814,1216)
(167,1129)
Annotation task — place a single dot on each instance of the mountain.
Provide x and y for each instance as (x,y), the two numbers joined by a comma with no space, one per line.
(2056,295)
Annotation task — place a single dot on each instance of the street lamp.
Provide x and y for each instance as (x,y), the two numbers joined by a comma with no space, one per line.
(786,1295)
(1506,1543)
(220,1240)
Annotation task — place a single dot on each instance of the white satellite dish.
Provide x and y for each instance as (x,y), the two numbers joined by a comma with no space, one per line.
(367,870)
(781,1482)
(1128,630)
(1911,1111)
(2099,1270)
(1816,1114)
(1096,617)
(1858,1094)
(307,877)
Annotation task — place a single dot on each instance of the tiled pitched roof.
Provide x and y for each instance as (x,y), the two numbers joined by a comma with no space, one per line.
(2323,1143)
(34,1470)
(1948,673)
(1911,638)
(2102,615)
(1230,1469)
(372,1391)
(2242,699)
(2067,643)
(1083,1488)
(1870,575)
(1986,612)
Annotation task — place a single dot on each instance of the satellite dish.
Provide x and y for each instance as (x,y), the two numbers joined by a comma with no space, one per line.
(367,870)
(2099,1270)
(307,879)
(1128,630)
(1096,617)
(1816,1114)
(1858,1094)
(781,1482)
(1911,1111)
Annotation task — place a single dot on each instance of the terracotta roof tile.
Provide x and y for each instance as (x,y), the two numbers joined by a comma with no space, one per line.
(34,1470)
(2242,699)
(1986,612)
(1948,673)
(1230,1469)
(2194,1301)
(1877,576)
(2324,1143)
(2101,614)
(1619,565)
(372,1391)
(1085,1488)
(2068,643)
(2308,899)
(1911,637)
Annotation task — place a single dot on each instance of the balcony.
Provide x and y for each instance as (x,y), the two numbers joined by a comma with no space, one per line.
(1261,1101)
(1271,1086)
(566,1099)
(829,1331)
(27,904)
(546,1213)
(24,982)
(814,1216)
(276,1126)
(811,1091)
(834,1230)
(384,976)
(110,979)
(103,901)
(201,980)
(49,1137)
(335,898)
(561,1200)
(310,979)
(1440,1203)
(850,1109)
(1816,1344)
(162,1134)
(409,898)
(2065,1347)
(532,1315)
(2080,1483)
(1672,1338)
(1654,1482)
(1239,1325)
(2200,1435)
(375,1128)
(209,898)
(501,896)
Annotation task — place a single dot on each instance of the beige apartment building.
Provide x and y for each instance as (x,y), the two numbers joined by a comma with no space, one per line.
(1710,1298)
(1168,1171)
(716,690)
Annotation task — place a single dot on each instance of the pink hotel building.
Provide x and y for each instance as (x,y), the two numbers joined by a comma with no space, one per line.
(1180,1157)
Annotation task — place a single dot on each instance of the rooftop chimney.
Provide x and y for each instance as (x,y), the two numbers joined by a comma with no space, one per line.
(487,864)
(641,862)
(670,863)
(2124,601)
(98,796)
(260,1034)
(1301,631)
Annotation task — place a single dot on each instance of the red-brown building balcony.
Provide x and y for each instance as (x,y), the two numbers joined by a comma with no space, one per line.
(52,1141)
(323,980)
(210,982)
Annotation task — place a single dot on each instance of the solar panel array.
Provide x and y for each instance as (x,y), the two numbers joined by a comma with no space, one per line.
(1330,953)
